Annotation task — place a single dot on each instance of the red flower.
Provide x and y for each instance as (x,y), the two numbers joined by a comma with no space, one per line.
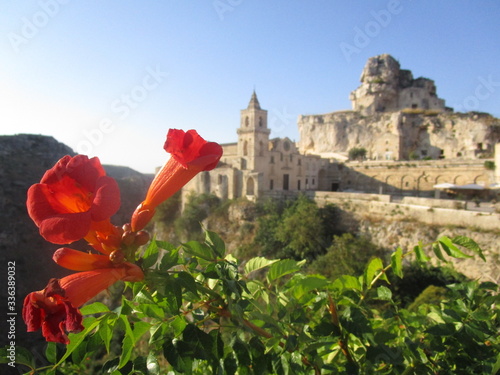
(55,308)
(49,310)
(71,196)
(190,154)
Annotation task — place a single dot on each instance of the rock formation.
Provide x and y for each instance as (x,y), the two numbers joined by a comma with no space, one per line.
(397,117)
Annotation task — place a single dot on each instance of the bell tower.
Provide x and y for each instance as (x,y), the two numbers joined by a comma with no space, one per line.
(253,134)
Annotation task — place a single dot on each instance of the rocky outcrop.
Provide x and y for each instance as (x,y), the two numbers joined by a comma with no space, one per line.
(398,117)
(387,87)
(400,135)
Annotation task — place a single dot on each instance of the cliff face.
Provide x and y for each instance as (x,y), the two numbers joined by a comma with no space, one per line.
(396,116)
(23,161)
(399,134)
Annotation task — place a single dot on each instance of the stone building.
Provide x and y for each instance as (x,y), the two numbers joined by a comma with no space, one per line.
(256,165)
(412,140)
(386,87)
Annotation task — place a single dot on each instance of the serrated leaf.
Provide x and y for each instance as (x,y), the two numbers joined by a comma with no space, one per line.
(150,255)
(140,328)
(437,250)
(199,250)
(127,343)
(396,262)
(94,308)
(284,267)
(106,331)
(169,259)
(216,243)
(258,263)
(470,244)
(450,249)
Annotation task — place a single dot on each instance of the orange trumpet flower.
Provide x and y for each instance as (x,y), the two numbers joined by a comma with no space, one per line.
(190,154)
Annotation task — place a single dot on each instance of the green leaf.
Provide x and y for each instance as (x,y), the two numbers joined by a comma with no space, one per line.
(451,249)
(284,267)
(77,338)
(347,282)
(470,244)
(127,343)
(169,259)
(140,328)
(307,284)
(94,308)
(437,250)
(258,263)
(216,243)
(372,269)
(150,255)
(173,355)
(419,252)
(188,282)
(106,331)
(199,250)
(22,356)
(396,262)
(384,293)
(51,352)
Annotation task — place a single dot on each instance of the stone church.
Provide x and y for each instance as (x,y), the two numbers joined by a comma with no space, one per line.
(257,165)
(395,118)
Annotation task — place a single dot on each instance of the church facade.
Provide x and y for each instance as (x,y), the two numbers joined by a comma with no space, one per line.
(257,165)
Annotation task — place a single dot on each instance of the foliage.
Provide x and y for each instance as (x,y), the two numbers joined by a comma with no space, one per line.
(199,311)
(346,256)
(357,153)
(489,165)
(296,229)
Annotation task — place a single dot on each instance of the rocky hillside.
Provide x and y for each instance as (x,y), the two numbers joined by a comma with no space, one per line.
(401,134)
(24,159)
(397,117)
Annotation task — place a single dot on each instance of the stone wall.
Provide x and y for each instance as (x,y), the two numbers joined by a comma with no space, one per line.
(400,224)
(430,214)
(412,177)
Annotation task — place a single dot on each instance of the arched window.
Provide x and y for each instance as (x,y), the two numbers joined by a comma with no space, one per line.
(245,148)
(247,121)
(261,148)
(260,122)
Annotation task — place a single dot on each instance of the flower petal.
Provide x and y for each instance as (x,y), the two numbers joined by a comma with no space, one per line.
(65,228)
(79,261)
(107,199)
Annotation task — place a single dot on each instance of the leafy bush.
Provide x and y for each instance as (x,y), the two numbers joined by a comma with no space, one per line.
(346,256)
(200,312)
(357,153)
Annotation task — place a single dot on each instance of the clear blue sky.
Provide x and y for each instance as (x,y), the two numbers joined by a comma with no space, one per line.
(108,78)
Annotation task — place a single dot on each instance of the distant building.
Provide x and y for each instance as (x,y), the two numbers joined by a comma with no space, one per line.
(257,165)
(395,118)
